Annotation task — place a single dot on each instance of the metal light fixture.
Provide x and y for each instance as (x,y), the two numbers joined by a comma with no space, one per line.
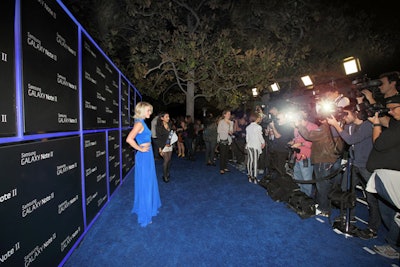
(351,65)
(254,91)
(307,81)
(274,87)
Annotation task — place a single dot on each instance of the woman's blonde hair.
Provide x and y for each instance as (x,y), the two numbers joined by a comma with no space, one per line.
(140,109)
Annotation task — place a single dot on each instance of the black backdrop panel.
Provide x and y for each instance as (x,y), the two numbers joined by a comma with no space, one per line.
(95,173)
(132,106)
(50,68)
(7,85)
(124,102)
(112,96)
(128,155)
(114,161)
(99,88)
(41,195)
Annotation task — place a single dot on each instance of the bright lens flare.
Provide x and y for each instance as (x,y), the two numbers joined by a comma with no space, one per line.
(325,107)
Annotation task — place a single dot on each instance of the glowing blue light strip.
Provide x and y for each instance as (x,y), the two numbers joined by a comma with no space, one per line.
(18,71)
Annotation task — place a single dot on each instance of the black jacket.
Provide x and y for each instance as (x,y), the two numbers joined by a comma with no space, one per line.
(385,153)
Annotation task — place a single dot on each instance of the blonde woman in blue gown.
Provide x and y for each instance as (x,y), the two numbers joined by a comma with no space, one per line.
(147,198)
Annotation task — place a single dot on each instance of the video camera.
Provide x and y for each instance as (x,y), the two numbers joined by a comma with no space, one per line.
(366,83)
(361,84)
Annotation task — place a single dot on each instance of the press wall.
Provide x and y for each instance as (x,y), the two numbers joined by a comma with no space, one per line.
(65,111)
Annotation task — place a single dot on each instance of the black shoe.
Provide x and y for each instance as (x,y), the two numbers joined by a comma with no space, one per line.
(166,179)
(366,234)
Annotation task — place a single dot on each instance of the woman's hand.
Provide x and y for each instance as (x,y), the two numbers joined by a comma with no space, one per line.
(144,148)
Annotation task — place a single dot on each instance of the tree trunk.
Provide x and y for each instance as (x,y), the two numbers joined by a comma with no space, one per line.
(190,99)
(190,96)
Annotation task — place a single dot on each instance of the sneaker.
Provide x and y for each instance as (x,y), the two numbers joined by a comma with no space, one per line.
(321,213)
(386,251)
(366,234)
(397,218)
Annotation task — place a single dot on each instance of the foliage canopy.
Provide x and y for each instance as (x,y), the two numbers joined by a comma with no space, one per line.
(217,50)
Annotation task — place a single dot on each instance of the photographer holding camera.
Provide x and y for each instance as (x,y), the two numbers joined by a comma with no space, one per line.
(303,169)
(281,133)
(358,134)
(389,84)
(325,154)
(383,161)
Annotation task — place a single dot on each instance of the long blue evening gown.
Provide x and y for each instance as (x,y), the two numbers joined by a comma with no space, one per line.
(147,197)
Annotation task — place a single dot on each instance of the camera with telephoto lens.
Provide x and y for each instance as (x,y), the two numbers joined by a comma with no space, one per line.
(365,110)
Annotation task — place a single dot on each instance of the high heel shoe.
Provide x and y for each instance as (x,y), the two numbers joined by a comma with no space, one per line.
(165,179)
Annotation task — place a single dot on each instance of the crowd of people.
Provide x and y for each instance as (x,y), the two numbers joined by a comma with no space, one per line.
(364,130)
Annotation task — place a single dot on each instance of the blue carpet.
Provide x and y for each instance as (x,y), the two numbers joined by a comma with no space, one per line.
(208,219)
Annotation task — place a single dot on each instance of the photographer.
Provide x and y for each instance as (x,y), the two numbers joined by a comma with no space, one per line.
(281,133)
(388,87)
(358,134)
(326,151)
(303,169)
(383,161)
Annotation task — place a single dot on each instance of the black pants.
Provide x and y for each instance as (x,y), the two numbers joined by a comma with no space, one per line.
(167,163)
(189,147)
(238,148)
(276,162)
(223,156)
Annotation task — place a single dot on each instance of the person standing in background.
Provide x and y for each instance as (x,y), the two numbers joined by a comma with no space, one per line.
(147,197)
(210,139)
(255,144)
(188,136)
(224,139)
(239,142)
(164,133)
(181,141)
(153,125)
